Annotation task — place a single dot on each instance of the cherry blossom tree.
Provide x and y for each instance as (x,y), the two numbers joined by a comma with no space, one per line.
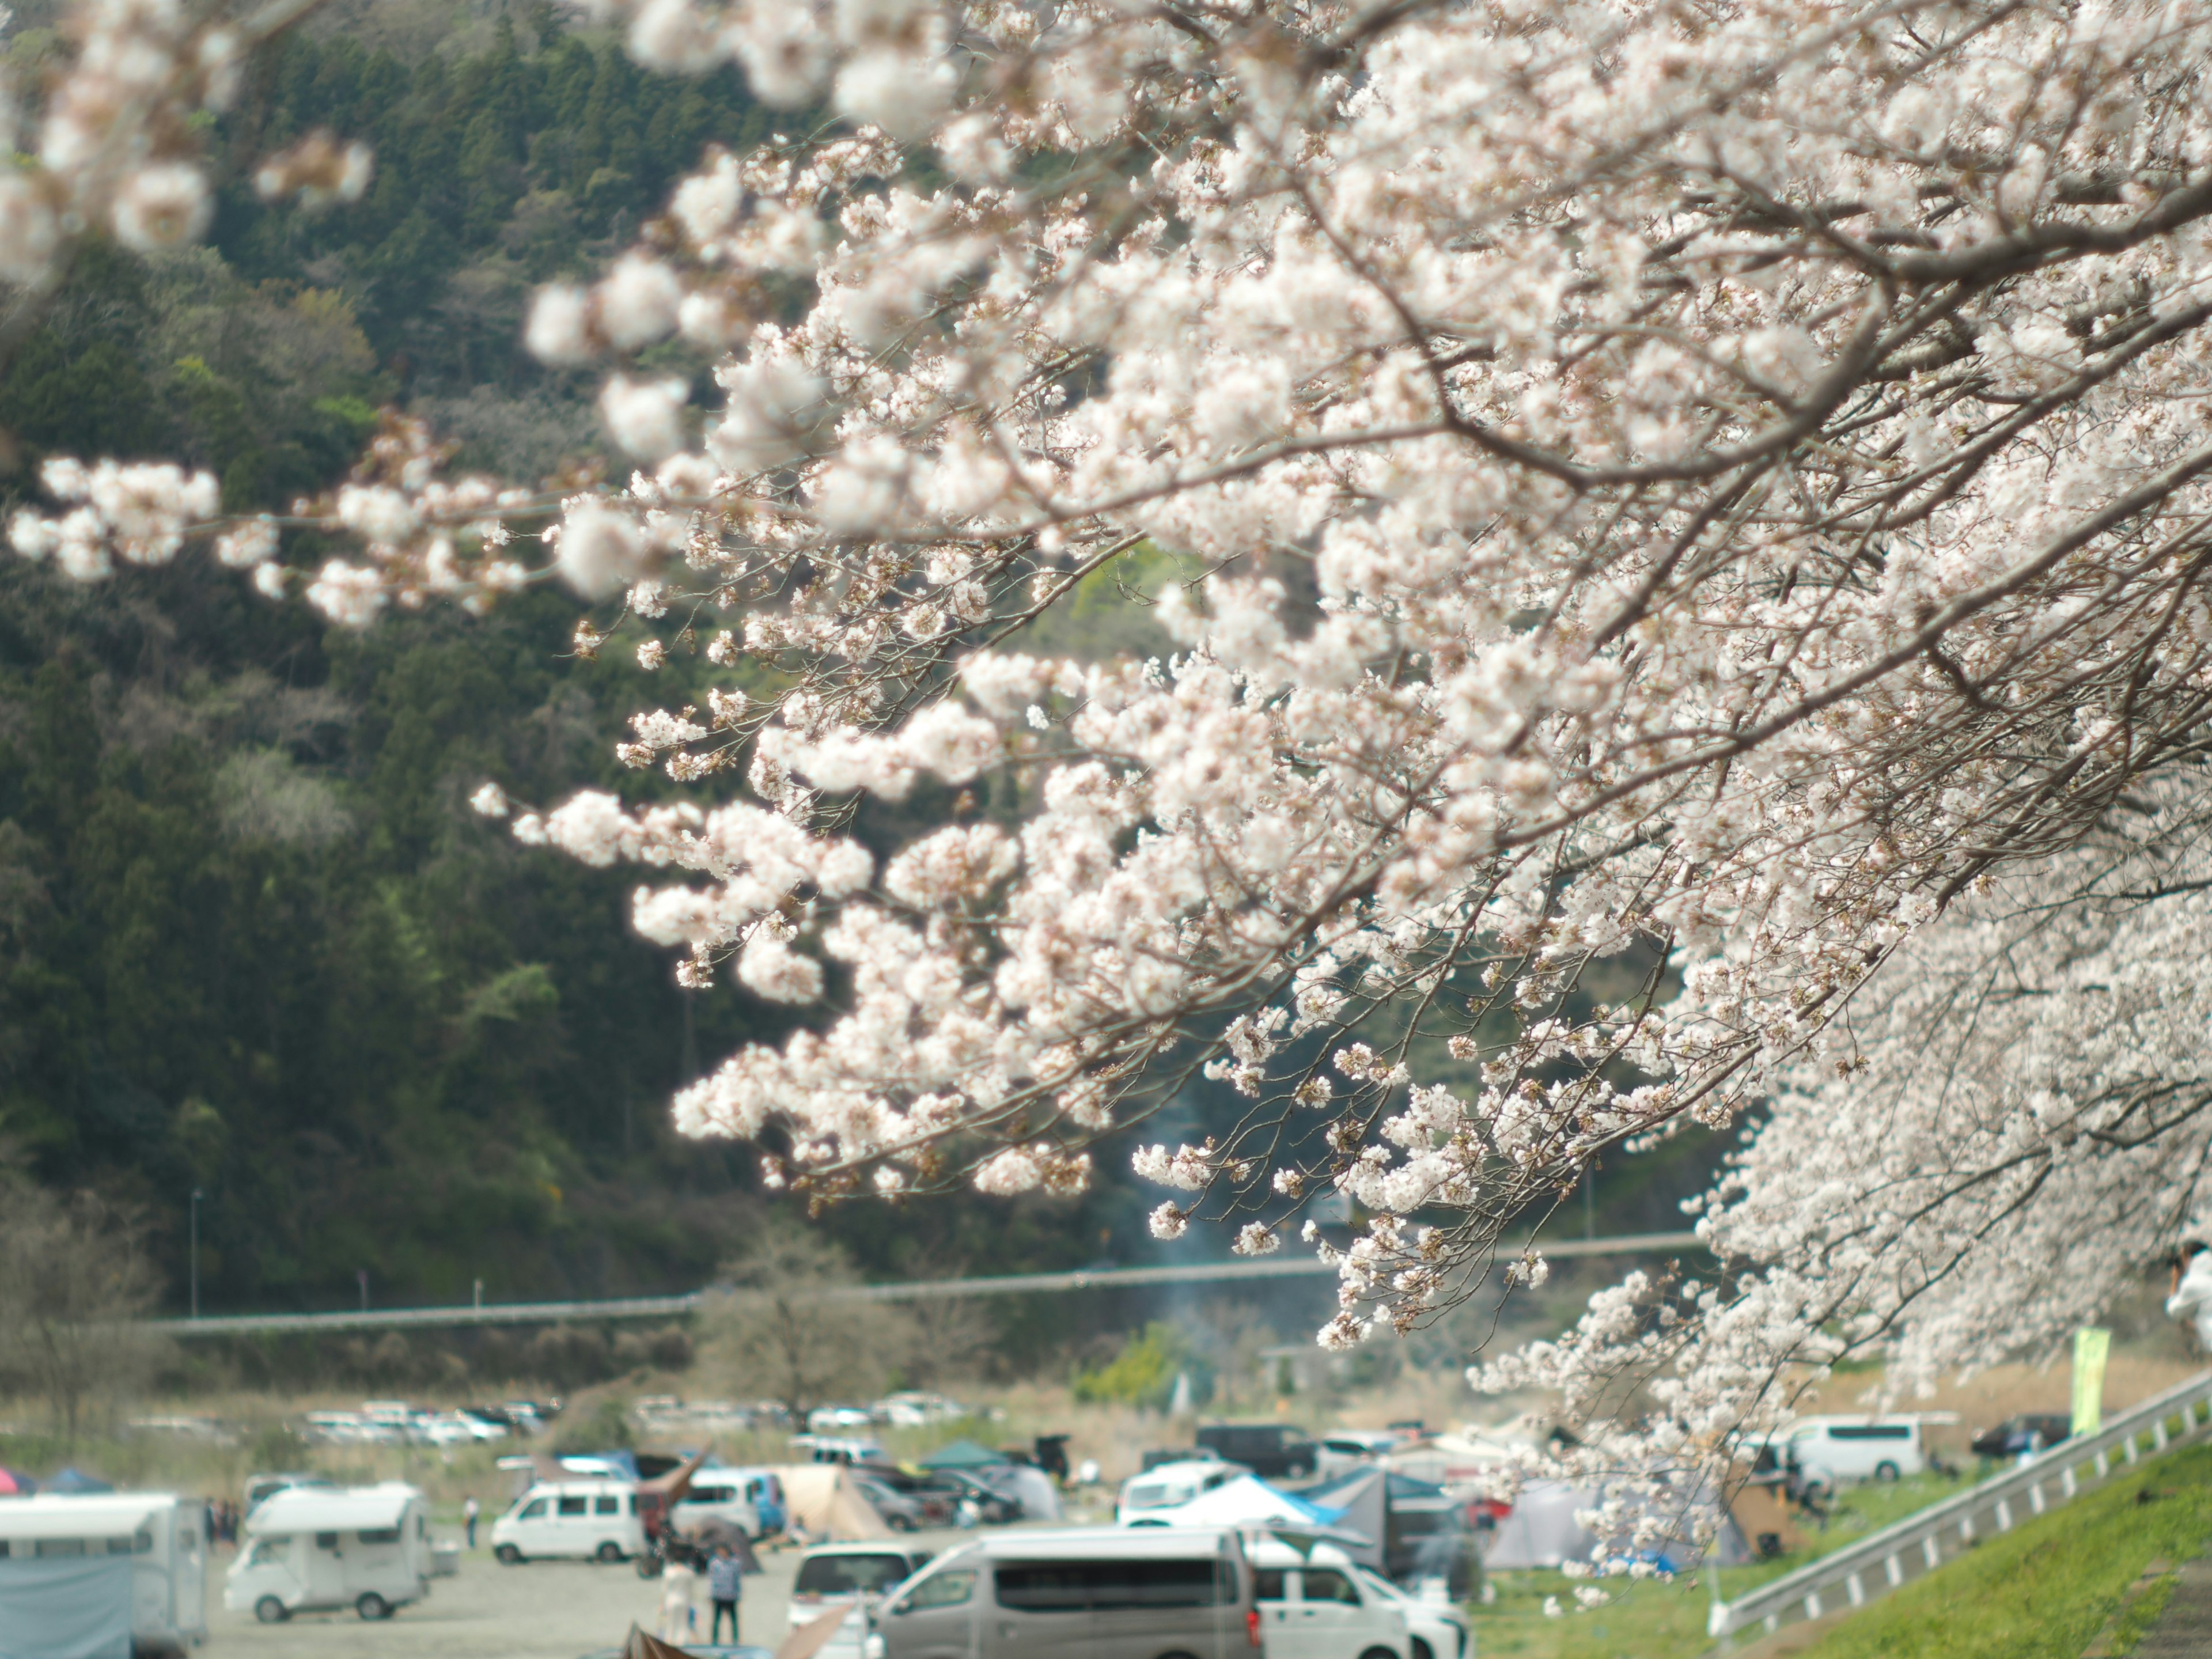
(1695,520)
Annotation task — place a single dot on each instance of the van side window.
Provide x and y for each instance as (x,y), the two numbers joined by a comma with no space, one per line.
(327,1541)
(946,1589)
(379,1535)
(1066,1586)
(1871,1431)
(532,1510)
(608,1506)
(1271,1584)
(1327,1584)
(576,1506)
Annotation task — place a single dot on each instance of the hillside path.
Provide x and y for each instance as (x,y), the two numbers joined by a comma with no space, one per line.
(2184,1631)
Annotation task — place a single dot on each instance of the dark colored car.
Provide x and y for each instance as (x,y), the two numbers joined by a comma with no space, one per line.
(1270,1450)
(2029,1431)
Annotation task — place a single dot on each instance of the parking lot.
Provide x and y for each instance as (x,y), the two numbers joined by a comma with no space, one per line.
(541,1610)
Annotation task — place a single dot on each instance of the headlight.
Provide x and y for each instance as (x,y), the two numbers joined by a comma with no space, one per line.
(872,1647)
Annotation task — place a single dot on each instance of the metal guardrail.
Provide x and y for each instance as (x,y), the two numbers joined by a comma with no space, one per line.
(676,1307)
(1916,1546)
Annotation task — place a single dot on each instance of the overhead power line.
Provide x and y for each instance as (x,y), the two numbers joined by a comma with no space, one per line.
(675,1307)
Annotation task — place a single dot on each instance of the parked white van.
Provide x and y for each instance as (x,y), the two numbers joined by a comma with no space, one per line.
(1325,1607)
(722,1495)
(1859,1448)
(313,1549)
(583,1519)
(103,1573)
(1105,1592)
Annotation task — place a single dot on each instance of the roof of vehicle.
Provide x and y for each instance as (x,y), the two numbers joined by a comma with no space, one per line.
(89,1514)
(1111,1543)
(1185,1467)
(880,1547)
(329,1508)
(584,1483)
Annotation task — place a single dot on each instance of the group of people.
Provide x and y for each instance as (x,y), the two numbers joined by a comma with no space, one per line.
(688,1566)
(222,1519)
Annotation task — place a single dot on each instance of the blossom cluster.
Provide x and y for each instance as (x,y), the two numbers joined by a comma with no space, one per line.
(1670,501)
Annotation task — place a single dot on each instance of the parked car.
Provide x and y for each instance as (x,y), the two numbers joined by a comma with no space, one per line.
(583,1519)
(1343,1450)
(854,1575)
(2030,1432)
(901,1513)
(1172,1484)
(1270,1450)
(1317,1607)
(1859,1448)
(1103,1592)
(317,1547)
(839,1420)
(994,1507)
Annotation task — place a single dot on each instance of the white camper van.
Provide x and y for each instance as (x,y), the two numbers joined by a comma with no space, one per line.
(106,1573)
(315,1548)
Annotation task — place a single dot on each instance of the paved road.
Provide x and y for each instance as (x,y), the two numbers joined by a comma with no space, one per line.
(540,1610)
(2184,1631)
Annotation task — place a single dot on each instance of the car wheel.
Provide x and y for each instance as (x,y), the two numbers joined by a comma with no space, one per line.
(611,1551)
(1298,1470)
(899,1522)
(1378,1653)
(1885,1470)
(373,1607)
(270,1611)
(508,1556)
(1422,1651)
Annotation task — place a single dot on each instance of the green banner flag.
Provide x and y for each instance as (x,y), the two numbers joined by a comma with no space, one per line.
(2091,1347)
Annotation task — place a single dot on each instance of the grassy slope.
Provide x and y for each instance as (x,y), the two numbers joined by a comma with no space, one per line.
(2043,1591)
(1648,1620)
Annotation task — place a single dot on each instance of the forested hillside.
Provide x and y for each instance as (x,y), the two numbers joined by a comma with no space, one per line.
(251,941)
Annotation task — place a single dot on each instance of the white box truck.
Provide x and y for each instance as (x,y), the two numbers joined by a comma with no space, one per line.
(316,1547)
(103,1575)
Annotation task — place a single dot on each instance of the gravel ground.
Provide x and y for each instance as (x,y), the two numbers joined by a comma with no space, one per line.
(540,1610)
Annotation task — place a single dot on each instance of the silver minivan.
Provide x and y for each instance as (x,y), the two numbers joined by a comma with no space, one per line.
(1081,1593)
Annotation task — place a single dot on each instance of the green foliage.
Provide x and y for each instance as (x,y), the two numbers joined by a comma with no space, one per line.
(2044,1589)
(607,1426)
(1144,1373)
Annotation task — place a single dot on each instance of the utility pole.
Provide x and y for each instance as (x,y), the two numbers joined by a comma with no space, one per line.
(196,1252)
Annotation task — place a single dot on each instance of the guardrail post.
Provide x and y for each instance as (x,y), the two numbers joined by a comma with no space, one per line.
(1894,1569)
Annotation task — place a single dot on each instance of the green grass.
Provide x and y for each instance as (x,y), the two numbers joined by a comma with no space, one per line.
(1647,1619)
(2043,1591)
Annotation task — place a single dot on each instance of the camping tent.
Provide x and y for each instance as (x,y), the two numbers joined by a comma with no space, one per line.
(13,1485)
(1361,1500)
(1029,1487)
(1249,1500)
(823,1498)
(1541,1530)
(962,1454)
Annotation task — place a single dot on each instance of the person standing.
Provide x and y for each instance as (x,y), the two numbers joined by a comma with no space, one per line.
(679,1585)
(469,1511)
(725,1584)
(2192,1290)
